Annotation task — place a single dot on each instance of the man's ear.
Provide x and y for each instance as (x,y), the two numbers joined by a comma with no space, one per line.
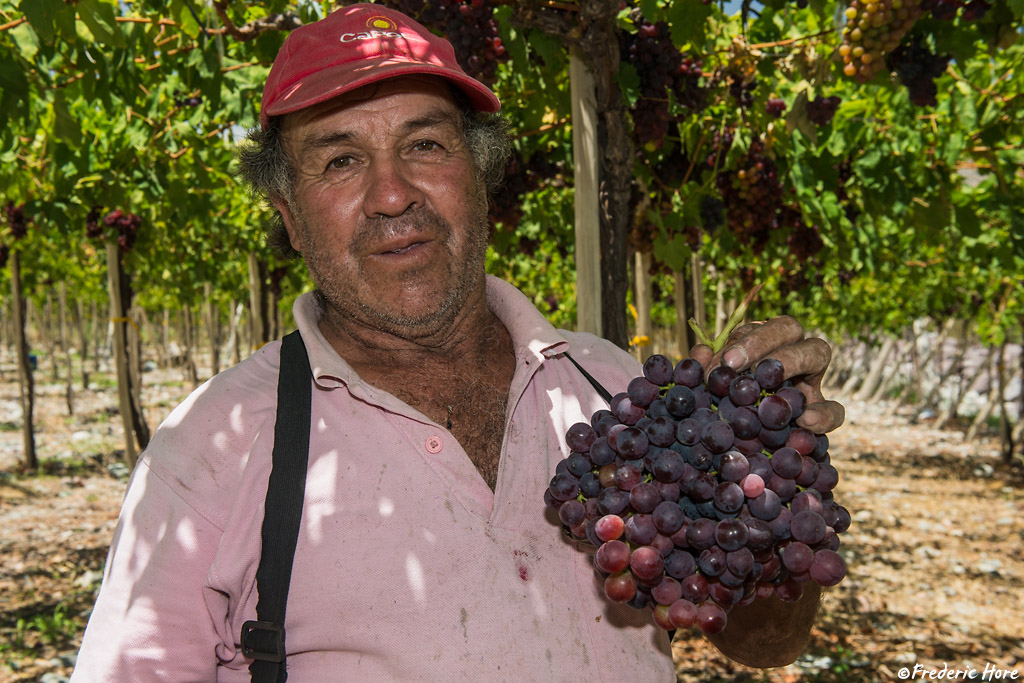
(289,221)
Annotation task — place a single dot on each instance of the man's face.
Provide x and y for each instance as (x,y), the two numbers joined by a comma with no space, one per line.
(387,210)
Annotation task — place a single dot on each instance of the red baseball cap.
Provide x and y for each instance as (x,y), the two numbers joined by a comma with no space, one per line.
(355,46)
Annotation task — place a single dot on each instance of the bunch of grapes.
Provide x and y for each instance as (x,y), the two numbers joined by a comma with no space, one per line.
(821,109)
(16,220)
(662,68)
(127,225)
(181,101)
(918,67)
(470,27)
(702,495)
(775,107)
(752,194)
(712,213)
(93,229)
(873,29)
(742,91)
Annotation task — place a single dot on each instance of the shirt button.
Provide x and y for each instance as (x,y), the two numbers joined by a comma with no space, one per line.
(434,444)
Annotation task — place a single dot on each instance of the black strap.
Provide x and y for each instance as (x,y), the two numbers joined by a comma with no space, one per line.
(604,393)
(263,640)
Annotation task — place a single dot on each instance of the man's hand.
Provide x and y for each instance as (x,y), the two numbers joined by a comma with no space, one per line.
(804,362)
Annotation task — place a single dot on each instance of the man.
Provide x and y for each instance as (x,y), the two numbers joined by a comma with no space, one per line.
(440,398)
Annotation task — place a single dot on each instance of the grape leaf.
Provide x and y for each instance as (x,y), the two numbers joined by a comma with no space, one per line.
(42,15)
(98,16)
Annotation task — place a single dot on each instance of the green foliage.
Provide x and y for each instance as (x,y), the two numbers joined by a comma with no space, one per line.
(138,106)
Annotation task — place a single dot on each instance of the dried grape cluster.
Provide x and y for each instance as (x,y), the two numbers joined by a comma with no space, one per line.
(918,67)
(16,220)
(821,110)
(127,225)
(702,495)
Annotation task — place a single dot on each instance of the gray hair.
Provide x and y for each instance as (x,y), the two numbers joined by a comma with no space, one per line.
(265,166)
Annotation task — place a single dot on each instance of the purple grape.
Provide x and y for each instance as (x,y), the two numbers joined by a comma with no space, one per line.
(705,416)
(844,519)
(733,466)
(702,487)
(601,452)
(695,588)
(760,465)
(717,436)
(628,412)
(631,443)
(596,418)
(774,412)
(827,568)
(726,408)
(688,373)
(796,556)
(657,409)
(807,527)
(780,524)
(667,591)
(807,500)
(719,380)
(702,397)
(668,517)
(564,486)
(740,562)
(661,431)
(808,473)
(787,463)
(795,398)
(669,490)
(759,534)
(627,476)
(827,479)
(658,369)
(640,530)
(612,501)
(679,564)
(774,438)
(785,488)
(820,448)
(680,401)
(668,466)
(580,436)
(590,485)
(644,497)
(700,533)
(647,562)
(571,512)
(688,431)
(802,440)
(769,374)
(766,506)
(711,561)
(744,391)
(728,497)
(744,422)
(731,534)
(578,464)
(641,391)
(723,594)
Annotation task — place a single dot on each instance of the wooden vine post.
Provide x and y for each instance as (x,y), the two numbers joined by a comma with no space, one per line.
(30,461)
(257,308)
(585,206)
(119,318)
(644,294)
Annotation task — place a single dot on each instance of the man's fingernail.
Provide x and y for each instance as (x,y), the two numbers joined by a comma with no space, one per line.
(735,358)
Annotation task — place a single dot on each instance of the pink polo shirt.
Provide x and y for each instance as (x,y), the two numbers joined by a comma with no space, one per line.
(408,567)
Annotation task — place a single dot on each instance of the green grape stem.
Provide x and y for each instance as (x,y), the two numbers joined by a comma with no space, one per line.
(716,344)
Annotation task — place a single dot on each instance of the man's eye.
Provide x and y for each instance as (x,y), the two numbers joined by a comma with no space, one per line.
(339,162)
(426,146)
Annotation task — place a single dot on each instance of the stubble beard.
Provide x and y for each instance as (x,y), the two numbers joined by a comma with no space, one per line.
(347,298)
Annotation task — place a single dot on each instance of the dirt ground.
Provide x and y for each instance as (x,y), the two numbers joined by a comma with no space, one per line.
(935,552)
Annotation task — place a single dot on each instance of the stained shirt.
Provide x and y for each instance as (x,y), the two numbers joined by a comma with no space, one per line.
(408,567)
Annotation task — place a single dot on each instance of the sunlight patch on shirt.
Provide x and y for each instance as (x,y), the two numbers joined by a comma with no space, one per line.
(183,409)
(186,536)
(386,507)
(320,481)
(414,572)
(540,605)
(429,536)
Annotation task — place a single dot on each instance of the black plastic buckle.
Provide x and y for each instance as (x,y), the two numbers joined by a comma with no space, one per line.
(263,640)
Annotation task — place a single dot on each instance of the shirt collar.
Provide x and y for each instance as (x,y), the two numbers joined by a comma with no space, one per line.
(532,335)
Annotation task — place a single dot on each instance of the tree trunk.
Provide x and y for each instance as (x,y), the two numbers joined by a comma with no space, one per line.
(30,462)
(643,295)
(120,356)
(69,391)
(697,279)
(945,373)
(878,365)
(995,383)
(915,384)
(1005,430)
(954,406)
(234,343)
(83,340)
(257,308)
(586,203)
(682,327)
(189,367)
(212,328)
